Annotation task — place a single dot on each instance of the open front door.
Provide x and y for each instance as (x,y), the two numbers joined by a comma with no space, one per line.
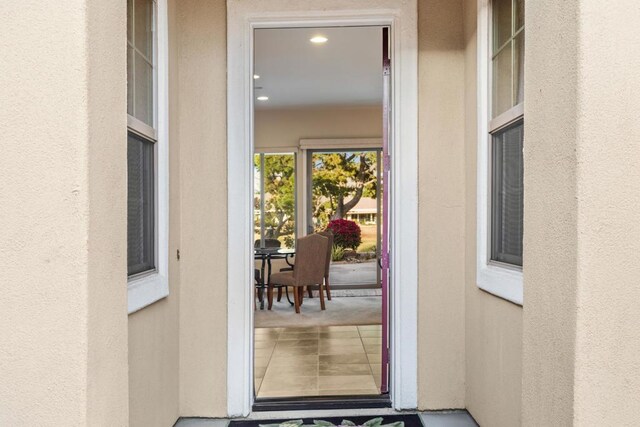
(384,253)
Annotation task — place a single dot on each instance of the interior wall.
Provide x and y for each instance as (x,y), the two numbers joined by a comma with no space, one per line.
(284,128)
(153,331)
(493,337)
(201,127)
(63,303)
(441,331)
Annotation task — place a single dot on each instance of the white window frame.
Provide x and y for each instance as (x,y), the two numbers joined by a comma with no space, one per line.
(146,288)
(502,280)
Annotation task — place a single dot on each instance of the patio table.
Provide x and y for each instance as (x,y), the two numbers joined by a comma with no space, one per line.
(266,255)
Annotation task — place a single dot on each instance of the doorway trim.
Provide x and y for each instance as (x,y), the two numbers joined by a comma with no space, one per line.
(243,16)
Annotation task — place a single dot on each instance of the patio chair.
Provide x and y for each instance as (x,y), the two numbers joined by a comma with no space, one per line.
(311,253)
(329,235)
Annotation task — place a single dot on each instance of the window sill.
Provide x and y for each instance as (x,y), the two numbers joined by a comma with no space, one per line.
(146,290)
(502,282)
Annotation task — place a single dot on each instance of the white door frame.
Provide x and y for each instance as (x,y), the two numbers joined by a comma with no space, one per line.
(243,16)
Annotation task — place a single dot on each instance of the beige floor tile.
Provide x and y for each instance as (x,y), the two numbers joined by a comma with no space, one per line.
(296,351)
(267,330)
(290,383)
(265,345)
(339,341)
(346,382)
(344,358)
(374,358)
(304,329)
(376,369)
(288,360)
(349,392)
(337,328)
(257,384)
(376,378)
(352,349)
(266,337)
(286,393)
(298,336)
(365,333)
(339,334)
(265,352)
(370,327)
(326,369)
(297,343)
(259,371)
(275,371)
(259,332)
(260,362)
(371,341)
(372,348)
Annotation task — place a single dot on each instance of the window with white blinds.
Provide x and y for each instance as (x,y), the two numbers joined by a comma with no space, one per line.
(142,136)
(507,195)
(506,129)
(140,205)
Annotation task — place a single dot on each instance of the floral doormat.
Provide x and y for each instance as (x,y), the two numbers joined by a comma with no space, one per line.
(409,420)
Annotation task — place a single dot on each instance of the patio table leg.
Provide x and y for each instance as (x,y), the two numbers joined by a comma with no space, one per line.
(261,292)
(286,290)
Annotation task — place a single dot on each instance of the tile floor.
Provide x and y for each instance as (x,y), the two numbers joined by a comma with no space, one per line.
(317,361)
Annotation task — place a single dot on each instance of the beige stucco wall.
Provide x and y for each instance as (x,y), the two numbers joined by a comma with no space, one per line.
(581,340)
(608,337)
(550,209)
(493,332)
(154,330)
(62,242)
(202,137)
(280,128)
(441,342)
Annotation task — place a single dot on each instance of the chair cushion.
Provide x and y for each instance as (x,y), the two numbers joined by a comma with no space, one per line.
(284,278)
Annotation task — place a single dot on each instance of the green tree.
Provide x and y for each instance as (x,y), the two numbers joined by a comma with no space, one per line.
(340,180)
(279,197)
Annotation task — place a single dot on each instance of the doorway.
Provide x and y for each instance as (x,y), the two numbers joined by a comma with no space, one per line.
(243,18)
(322,82)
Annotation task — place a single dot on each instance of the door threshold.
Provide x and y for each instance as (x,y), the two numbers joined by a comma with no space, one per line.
(306,403)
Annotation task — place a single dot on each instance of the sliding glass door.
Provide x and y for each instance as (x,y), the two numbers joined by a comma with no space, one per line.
(344,190)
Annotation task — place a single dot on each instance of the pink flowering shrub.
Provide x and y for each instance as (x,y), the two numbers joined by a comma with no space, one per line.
(346,234)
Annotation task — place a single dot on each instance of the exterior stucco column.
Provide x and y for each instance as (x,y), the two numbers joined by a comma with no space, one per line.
(581,341)
(63,310)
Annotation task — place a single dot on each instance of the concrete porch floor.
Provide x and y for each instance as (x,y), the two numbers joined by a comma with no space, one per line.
(356,274)
(429,419)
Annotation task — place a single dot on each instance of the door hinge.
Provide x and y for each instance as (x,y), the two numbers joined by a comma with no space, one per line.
(178,254)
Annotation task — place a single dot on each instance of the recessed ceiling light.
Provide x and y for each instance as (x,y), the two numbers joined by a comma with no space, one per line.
(255,76)
(263,98)
(318,39)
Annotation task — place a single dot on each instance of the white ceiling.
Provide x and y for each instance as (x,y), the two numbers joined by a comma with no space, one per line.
(344,71)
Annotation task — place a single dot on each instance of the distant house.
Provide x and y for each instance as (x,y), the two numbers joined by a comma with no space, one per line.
(365,212)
